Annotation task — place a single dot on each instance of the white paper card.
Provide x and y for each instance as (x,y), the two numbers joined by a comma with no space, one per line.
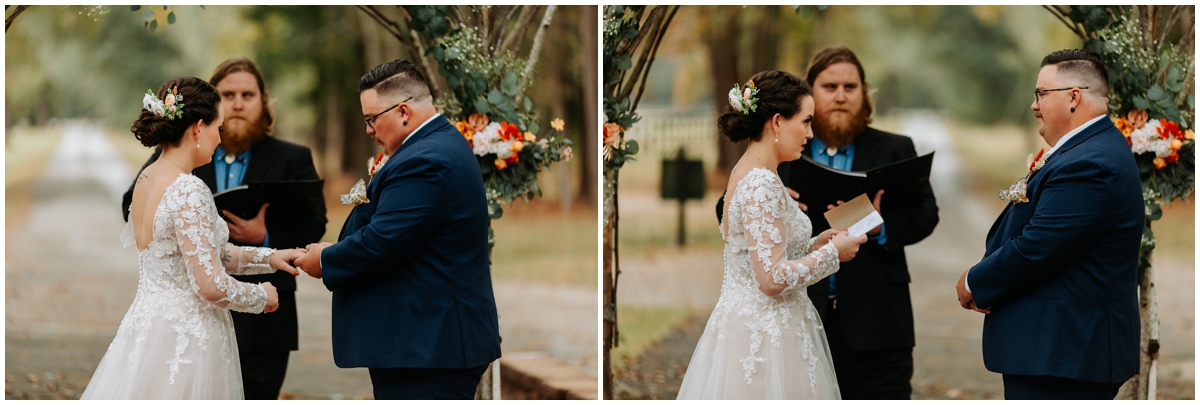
(866,224)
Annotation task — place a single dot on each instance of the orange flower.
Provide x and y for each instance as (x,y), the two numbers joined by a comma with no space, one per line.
(1189,135)
(478,121)
(465,128)
(518,146)
(1176,144)
(1036,158)
(612,133)
(529,137)
(1169,129)
(1123,125)
(1159,163)
(557,124)
(500,164)
(1138,118)
(1174,156)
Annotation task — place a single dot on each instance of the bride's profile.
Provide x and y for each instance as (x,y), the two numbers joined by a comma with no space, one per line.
(764,339)
(177,339)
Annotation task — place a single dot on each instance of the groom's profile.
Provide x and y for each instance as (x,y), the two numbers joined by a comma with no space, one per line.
(411,282)
(1058,279)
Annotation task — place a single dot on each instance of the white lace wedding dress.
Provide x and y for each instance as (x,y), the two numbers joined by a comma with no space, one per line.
(756,346)
(177,340)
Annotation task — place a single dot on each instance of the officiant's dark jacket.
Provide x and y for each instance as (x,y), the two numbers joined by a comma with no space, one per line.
(410,276)
(874,305)
(271,159)
(1060,271)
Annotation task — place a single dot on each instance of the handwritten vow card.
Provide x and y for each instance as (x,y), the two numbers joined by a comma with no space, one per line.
(857,217)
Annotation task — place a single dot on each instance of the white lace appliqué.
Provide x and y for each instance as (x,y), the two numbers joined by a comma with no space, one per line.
(768,244)
(184,284)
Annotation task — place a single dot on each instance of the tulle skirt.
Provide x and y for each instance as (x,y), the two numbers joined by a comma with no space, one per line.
(173,352)
(798,367)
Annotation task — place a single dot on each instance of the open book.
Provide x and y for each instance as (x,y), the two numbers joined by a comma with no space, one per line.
(299,198)
(904,182)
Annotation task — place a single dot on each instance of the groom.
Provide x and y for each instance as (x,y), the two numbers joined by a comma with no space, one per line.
(411,282)
(1058,279)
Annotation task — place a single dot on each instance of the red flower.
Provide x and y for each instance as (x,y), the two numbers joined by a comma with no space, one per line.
(1168,129)
(512,160)
(509,131)
(1173,158)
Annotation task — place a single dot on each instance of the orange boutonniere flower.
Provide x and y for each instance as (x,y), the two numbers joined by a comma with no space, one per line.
(1037,162)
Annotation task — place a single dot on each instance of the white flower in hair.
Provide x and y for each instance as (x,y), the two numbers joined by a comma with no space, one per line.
(159,110)
(735,99)
(148,102)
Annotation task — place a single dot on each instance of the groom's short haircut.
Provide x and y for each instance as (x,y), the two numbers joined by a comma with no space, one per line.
(838,54)
(398,77)
(1083,65)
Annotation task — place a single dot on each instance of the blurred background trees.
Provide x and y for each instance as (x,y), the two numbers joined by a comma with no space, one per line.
(92,62)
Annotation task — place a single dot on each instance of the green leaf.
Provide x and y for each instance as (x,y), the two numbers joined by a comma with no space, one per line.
(134,8)
(202,7)
(153,25)
(796,9)
(148,16)
(165,8)
(806,12)
(1192,101)
(631,147)
(528,104)
(822,8)
(1141,103)
(171,18)
(624,62)
(495,97)
(1155,92)
(533,127)
(481,106)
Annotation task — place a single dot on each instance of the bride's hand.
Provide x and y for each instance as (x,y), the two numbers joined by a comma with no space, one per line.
(847,246)
(272,298)
(283,259)
(824,238)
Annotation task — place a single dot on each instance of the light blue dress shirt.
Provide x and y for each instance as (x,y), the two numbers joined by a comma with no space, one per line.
(231,175)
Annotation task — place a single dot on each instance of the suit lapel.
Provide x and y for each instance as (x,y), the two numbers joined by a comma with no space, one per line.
(262,156)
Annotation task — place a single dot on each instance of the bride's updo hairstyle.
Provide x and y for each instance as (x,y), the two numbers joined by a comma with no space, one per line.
(200,101)
(778,93)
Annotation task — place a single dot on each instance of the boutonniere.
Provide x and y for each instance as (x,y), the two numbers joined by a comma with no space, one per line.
(1016,192)
(374,163)
(358,193)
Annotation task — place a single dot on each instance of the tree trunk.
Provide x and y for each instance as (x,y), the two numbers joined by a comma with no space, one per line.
(587,149)
(609,313)
(1143,385)
(722,40)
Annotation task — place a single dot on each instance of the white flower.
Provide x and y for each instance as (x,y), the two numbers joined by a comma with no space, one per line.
(1141,139)
(735,100)
(159,110)
(483,140)
(503,149)
(1162,148)
(148,102)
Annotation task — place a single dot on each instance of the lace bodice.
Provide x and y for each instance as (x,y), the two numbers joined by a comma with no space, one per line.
(184,289)
(769,248)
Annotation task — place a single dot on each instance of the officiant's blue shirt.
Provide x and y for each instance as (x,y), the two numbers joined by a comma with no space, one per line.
(231,174)
(842,160)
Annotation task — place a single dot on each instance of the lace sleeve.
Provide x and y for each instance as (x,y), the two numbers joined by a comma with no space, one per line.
(767,237)
(245,260)
(194,216)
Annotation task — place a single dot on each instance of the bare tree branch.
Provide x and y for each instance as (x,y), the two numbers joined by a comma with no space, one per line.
(485,22)
(1170,23)
(1185,42)
(9,20)
(434,89)
(654,22)
(536,50)
(662,32)
(523,21)
(1061,15)
(464,14)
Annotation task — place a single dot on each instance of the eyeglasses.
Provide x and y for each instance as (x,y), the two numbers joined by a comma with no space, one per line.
(1037,94)
(371,120)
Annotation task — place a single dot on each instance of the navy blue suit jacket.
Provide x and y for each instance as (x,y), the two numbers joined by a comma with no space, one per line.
(1059,272)
(410,275)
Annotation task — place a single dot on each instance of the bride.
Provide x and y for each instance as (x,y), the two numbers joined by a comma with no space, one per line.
(177,340)
(764,339)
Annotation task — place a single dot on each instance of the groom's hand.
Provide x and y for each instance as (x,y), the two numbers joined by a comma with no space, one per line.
(965,298)
(311,261)
(251,231)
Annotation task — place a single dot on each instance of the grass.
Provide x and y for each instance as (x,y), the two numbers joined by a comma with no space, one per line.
(539,242)
(26,153)
(641,327)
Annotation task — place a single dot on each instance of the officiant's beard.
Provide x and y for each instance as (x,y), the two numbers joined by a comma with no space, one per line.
(237,135)
(838,128)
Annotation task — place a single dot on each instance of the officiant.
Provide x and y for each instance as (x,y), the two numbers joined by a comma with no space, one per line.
(249,153)
(866,306)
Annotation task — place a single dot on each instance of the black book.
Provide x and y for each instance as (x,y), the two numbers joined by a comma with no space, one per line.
(904,181)
(292,199)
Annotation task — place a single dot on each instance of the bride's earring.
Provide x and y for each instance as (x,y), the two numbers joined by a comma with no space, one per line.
(776,136)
